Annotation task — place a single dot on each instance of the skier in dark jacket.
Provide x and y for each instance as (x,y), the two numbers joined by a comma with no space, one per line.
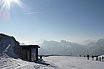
(87,57)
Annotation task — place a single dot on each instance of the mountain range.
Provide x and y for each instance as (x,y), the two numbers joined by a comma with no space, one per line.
(70,48)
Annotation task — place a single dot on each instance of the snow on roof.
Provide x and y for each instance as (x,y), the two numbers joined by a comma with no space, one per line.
(30,46)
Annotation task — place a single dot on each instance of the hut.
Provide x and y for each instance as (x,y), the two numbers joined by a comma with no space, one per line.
(29,52)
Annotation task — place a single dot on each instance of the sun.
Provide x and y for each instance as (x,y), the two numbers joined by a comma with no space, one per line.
(7,3)
(5,7)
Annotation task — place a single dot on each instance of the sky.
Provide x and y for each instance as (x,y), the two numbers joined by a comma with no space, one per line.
(32,21)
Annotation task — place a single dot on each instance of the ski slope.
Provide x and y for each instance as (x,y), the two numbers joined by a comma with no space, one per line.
(59,62)
(67,62)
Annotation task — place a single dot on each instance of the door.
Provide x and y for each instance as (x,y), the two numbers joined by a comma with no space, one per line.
(33,54)
(28,55)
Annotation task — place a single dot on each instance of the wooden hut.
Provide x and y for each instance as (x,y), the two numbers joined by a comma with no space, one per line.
(29,52)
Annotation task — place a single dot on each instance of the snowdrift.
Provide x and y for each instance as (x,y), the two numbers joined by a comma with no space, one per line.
(8,45)
(8,55)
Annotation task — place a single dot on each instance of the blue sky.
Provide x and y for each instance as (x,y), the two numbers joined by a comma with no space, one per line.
(71,20)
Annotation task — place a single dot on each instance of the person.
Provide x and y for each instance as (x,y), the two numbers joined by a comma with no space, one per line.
(99,58)
(96,58)
(84,56)
(92,57)
(41,58)
(87,57)
(102,58)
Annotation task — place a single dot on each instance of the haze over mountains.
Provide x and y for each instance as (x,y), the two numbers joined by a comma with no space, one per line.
(69,48)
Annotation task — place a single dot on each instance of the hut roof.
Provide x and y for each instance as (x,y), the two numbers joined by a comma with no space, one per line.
(29,46)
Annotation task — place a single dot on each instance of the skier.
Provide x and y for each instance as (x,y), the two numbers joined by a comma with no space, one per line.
(87,57)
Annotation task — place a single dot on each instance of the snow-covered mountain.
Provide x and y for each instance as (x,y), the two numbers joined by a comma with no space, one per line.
(88,42)
(69,48)
(61,48)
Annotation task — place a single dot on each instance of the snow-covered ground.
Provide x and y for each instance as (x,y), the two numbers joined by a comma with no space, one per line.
(52,62)
(7,62)
(67,62)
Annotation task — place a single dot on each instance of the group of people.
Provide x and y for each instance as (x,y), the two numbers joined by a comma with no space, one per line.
(97,58)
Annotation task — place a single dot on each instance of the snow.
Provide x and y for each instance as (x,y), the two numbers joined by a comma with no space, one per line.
(6,46)
(51,62)
(7,62)
(67,62)
(7,56)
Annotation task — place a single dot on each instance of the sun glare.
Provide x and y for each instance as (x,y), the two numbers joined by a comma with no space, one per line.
(5,7)
(8,2)
(16,1)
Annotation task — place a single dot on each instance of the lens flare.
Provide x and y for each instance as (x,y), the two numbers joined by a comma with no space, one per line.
(8,2)
(5,6)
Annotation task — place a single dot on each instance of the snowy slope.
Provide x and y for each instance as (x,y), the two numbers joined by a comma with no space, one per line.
(7,56)
(53,62)
(6,46)
(67,62)
(7,62)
